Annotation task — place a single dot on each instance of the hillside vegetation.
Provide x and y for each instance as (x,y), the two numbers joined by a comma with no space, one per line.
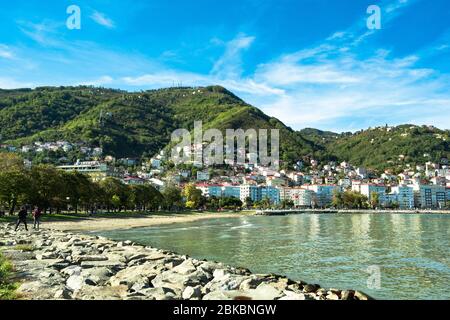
(139,124)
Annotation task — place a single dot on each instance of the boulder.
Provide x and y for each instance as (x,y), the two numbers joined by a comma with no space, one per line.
(290,295)
(63,294)
(138,275)
(192,293)
(161,293)
(347,294)
(75,282)
(101,293)
(187,267)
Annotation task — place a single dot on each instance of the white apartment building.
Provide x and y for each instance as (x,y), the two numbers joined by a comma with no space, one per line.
(368,189)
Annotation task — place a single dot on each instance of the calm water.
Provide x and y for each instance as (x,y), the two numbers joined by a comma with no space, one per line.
(412,251)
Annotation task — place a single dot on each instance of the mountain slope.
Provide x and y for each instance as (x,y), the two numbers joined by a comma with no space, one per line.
(131,124)
(385,147)
(134,124)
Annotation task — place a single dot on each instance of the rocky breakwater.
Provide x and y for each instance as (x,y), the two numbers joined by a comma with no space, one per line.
(59,265)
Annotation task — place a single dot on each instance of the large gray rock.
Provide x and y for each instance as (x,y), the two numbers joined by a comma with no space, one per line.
(111,264)
(187,267)
(101,293)
(141,275)
(75,282)
(290,295)
(161,293)
(97,276)
(192,293)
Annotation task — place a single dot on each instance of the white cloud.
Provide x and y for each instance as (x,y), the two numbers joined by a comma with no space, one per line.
(9,83)
(103,20)
(230,64)
(102,81)
(6,52)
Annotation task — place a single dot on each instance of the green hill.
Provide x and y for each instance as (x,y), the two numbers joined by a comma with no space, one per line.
(131,124)
(384,147)
(128,124)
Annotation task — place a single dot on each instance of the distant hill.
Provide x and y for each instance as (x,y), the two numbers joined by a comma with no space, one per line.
(128,124)
(384,147)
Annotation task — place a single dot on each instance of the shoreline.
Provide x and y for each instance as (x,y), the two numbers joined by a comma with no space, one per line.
(93,223)
(90,224)
(347,211)
(60,265)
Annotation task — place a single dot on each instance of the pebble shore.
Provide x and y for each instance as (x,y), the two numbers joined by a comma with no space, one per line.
(54,265)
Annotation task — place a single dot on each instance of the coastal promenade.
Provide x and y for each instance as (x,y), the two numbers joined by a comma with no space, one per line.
(53,264)
(344,211)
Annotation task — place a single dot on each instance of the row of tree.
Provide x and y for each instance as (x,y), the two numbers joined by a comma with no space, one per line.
(54,190)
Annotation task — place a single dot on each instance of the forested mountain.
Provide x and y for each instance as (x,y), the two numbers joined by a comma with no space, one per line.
(131,124)
(384,147)
(128,124)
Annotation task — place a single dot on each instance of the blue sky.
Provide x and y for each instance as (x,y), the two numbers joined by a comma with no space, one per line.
(311,63)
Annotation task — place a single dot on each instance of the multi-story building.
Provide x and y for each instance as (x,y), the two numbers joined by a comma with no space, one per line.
(323,194)
(202,175)
(97,171)
(404,196)
(369,189)
(447,192)
(219,191)
(430,196)
(258,193)
(271,193)
(232,192)
(302,198)
(130,180)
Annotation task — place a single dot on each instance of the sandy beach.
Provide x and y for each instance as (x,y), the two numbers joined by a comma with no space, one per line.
(110,223)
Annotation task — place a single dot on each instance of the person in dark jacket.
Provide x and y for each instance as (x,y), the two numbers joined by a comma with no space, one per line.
(37,213)
(22,218)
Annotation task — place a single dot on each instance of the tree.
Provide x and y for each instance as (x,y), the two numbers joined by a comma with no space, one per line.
(46,184)
(10,161)
(193,196)
(230,203)
(116,193)
(248,202)
(374,200)
(14,188)
(287,204)
(338,199)
(172,197)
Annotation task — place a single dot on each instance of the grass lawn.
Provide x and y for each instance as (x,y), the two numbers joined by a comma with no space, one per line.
(7,288)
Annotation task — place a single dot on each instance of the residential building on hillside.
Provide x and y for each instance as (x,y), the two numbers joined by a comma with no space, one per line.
(404,196)
(368,190)
(130,180)
(202,175)
(323,194)
(302,198)
(430,196)
(97,171)
(258,193)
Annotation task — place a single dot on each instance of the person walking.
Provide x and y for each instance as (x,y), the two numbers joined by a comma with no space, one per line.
(37,213)
(22,218)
